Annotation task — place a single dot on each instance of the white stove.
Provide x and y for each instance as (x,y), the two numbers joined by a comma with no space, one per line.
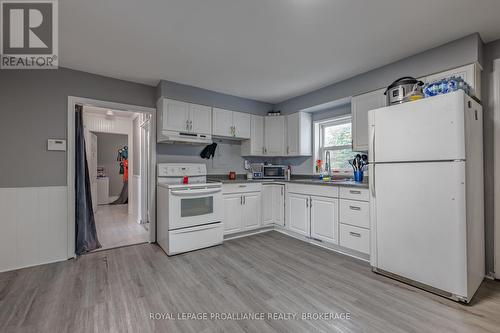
(189,208)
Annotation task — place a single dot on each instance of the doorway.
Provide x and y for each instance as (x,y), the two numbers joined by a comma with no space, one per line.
(121,167)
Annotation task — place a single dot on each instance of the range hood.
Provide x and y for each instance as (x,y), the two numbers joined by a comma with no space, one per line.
(184,137)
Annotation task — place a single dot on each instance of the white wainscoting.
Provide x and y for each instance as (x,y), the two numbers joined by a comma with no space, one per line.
(135,197)
(34,226)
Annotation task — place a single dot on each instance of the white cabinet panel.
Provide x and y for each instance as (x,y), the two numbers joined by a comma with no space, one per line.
(292,134)
(241,124)
(360,105)
(273,204)
(201,118)
(175,115)
(254,146)
(299,134)
(298,213)
(362,194)
(267,204)
(355,213)
(279,204)
(274,136)
(324,219)
(231,124)
(222,122)
(251,210)
(355,238)
(232,213)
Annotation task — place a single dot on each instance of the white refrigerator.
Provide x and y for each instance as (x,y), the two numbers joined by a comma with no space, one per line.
(426,194)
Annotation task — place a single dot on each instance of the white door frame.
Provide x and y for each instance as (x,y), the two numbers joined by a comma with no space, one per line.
(72,102)
(495,92)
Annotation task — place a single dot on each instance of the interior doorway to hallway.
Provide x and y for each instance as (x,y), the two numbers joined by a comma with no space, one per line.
(114,147)
(121,171)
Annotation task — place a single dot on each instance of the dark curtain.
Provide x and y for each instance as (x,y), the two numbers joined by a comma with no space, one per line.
(86,234)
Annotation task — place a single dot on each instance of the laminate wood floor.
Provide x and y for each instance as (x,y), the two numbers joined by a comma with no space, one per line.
(116,290)
(115,227)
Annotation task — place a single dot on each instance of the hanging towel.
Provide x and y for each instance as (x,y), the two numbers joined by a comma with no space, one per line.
(208,151)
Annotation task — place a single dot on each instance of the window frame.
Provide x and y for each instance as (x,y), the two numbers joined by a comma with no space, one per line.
(319,149)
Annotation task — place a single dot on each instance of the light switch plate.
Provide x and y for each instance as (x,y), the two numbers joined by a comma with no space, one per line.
(56,145)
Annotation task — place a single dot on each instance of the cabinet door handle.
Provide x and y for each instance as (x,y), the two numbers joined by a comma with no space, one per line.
(244,200)
(355,234)
(354,192)
(307,202)
(242,186)
(187,125)
(310,202)
(355,208)
(241,200)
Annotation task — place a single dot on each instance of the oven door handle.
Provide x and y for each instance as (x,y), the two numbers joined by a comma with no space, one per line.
(196,191)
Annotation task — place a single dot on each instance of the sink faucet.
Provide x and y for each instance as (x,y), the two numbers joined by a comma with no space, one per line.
(327,164)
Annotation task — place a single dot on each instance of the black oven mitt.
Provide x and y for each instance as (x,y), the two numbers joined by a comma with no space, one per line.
(208,151)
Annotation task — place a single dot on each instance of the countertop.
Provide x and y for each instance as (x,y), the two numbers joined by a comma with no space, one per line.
(306,181)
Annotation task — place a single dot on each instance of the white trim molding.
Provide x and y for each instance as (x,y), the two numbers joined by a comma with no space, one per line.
(495,92)
(72,102)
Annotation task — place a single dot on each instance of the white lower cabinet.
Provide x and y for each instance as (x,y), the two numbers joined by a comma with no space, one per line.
(324,219)
(242,211)
(251,210)
(273,204)
(355,238)
(232,218)
(298,213)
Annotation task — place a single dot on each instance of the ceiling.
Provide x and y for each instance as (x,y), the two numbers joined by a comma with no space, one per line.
(268,50)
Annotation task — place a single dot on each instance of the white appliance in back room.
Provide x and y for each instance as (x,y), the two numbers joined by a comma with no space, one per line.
(426,182)
(189,208)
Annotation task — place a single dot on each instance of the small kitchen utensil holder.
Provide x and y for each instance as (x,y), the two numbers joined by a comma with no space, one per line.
(358,176)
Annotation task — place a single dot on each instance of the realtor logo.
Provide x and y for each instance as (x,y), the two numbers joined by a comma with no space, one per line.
(29,35)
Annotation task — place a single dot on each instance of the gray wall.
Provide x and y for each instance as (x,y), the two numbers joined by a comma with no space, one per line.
(107,151)
(491,52)
(196,95)
(454,54)
(33,108)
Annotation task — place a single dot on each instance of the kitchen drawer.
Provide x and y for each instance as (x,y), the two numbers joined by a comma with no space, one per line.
(354,193)
(355,238)
(356,213)
(316,190)
(241,188)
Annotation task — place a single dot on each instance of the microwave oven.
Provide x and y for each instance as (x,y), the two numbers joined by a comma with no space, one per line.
(274,171)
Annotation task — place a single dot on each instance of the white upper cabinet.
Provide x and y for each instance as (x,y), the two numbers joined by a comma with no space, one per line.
(274,136)
(299,134)
(241,124)
(175,115)
(184,117)
(469,73)
(231,124)
(201,118)
(222,122)
(360,105)
(254,146)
